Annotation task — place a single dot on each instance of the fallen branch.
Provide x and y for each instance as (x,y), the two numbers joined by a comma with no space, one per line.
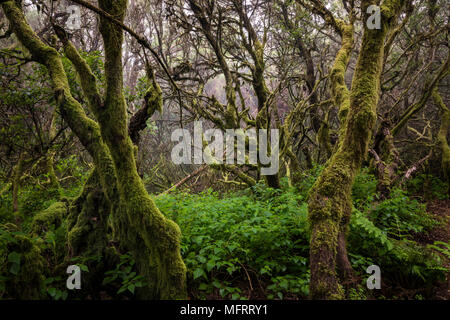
(184,180)
(411,170)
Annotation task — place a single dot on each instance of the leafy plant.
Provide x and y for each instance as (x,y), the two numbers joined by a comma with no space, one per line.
(55,289)
(255,236)
(281,285)
(428,185)
(441,247)
(401,215)
(364,189)
(124,276)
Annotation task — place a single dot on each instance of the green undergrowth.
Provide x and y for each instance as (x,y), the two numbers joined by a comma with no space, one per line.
(249,244)
(234,243)
(258,237)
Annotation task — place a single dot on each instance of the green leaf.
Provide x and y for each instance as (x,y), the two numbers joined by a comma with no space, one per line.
(84,268)
(203,286)
(48,280)
(14,257)
(210,265)
(198,273)
(58,295)
(217,284)
(52,291)
(131,288)
(14,269)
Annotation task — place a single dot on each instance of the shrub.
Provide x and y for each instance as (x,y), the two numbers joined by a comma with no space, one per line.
(401,215)
(364,189)
(429,186)
(255,237)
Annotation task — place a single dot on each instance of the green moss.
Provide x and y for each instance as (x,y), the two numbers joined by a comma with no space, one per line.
(87,220)
(49,218)
(442,134)
(53,181)
(339,91)
(85,128)
(153,95)
(28,283)
(330,207)
(139,226)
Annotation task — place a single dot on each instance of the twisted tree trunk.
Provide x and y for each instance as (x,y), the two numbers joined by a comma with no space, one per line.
(139,225)
(329,206)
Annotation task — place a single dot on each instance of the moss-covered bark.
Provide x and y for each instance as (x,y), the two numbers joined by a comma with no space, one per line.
(89,234)
(139,225)
(87,220)
(85,128)
(17,174)
(386,159)
(329,206)
(28,283)
(50,217)
(152,102)
(442,134)
(339,91)
(52,181)
(329,219)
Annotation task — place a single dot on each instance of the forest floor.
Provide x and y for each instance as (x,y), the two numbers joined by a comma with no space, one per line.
(441,210)
(255,288)
(253,244)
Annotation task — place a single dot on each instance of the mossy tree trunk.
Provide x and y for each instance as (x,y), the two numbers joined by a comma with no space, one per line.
(153,239)
(386,159)
(329,202)
(17,174)
(255,48)
(335,252)
(139,225)
(442,135)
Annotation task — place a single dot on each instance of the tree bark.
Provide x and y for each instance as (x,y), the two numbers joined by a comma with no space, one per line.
(442,135)
(139,225)
(328,205)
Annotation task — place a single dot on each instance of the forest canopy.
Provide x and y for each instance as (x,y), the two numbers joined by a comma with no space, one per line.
(224,149)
